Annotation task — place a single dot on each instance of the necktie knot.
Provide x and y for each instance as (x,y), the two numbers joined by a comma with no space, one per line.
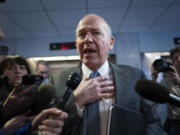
(94,74)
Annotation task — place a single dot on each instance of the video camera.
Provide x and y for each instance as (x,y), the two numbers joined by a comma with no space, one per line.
(162,66)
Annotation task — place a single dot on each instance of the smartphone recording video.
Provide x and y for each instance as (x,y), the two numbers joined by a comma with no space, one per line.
(28,80)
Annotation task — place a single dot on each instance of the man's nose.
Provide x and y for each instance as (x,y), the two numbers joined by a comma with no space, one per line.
(88,37)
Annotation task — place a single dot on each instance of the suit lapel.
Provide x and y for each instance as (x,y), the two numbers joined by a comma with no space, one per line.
(120,81)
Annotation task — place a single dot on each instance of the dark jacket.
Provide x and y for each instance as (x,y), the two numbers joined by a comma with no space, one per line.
(125,78)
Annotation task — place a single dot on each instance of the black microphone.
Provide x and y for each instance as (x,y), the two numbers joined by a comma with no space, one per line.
(42,98)
(156,92)
(72,82)
(44,95)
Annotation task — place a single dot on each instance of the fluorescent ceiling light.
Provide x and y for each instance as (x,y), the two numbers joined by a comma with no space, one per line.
(55,58)
(156,54)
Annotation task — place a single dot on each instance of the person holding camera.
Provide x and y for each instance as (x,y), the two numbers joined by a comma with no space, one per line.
(11,71)
(18,88)
(171,79)
(15,104)
(16,100)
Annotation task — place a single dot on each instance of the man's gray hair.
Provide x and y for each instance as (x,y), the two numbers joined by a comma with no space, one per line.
(108,26)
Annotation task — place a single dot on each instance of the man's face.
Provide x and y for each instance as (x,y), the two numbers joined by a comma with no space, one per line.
(43,70)
(14,72)
(176,61)
(93,41)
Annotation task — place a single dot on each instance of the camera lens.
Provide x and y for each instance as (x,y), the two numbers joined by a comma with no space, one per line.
(160,65)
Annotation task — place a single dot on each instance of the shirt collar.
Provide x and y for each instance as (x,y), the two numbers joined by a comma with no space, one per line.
(103,70)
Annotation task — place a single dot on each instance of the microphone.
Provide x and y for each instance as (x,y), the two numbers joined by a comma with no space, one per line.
(72,82)
(44,95)
(156,92)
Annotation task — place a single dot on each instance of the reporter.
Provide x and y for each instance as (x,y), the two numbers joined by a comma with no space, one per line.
(13,68)
(15,99)
(171,79)
(49,121)
(16,103)
(15,123)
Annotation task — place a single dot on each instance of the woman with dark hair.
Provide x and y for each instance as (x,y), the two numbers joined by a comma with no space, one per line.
(14,102)
(12,69)
(21,61)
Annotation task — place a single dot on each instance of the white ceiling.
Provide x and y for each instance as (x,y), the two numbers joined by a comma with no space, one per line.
(58,18)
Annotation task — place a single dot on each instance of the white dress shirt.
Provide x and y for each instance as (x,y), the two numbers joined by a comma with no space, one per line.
(104,104)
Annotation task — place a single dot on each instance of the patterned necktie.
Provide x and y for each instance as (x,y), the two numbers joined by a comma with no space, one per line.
(92,118)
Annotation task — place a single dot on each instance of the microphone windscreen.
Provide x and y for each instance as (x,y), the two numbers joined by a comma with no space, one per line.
(152,90)
(45,93)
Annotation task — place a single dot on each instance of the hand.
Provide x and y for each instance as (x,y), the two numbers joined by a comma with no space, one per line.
(17,101)
(15,123)
(154,73)
(172,75)
(91,90)
(49,121)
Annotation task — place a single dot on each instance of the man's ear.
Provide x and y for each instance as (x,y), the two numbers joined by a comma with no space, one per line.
(111,43)
(76,45)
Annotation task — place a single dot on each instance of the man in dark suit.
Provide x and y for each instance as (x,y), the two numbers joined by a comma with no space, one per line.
(114,84)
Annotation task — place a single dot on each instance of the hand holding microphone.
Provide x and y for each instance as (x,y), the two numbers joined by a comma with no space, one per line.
(43,93)
(49,121)
(16,102)
(72,82)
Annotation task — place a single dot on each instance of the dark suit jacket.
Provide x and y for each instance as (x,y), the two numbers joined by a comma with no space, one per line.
(125,78)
